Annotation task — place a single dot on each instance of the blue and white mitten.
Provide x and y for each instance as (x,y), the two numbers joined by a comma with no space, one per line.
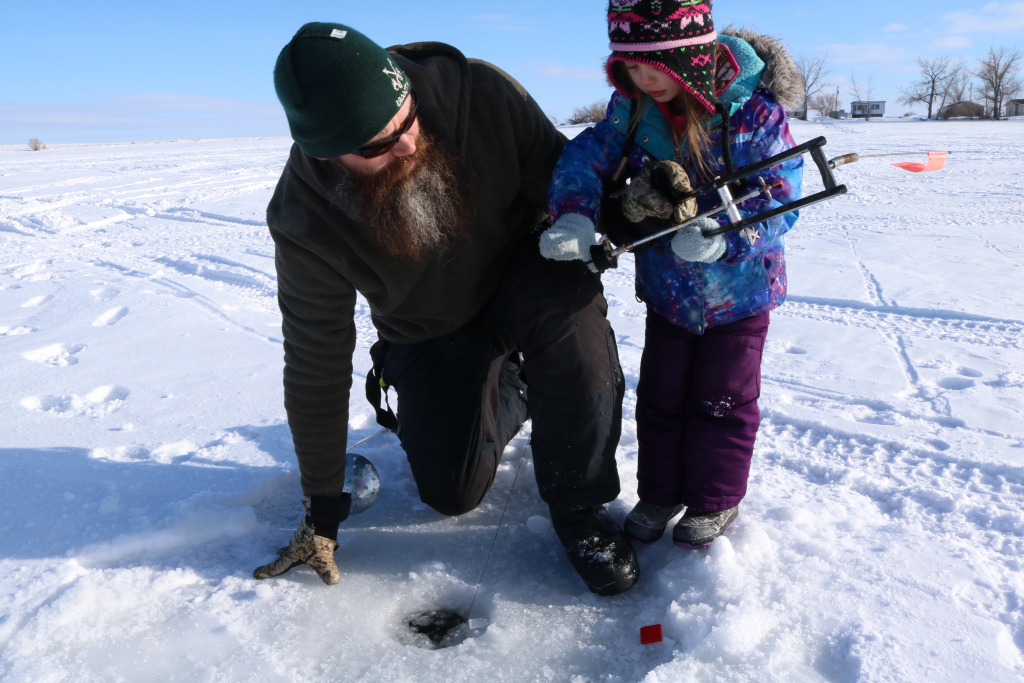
(690,244)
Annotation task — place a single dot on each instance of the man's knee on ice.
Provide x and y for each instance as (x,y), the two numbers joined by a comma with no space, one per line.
(452,506)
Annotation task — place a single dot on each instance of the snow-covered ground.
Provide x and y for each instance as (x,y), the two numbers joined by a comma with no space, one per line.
(146,467)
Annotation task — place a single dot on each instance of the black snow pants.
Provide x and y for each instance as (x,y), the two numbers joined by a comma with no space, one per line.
(462,398)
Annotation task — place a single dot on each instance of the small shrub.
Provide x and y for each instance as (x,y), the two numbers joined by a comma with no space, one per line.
(592,113)
(909,113)
(35,144)
(963,109)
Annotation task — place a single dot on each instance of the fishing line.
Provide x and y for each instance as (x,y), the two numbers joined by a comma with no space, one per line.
(367,439)
(479,583)
(894,154)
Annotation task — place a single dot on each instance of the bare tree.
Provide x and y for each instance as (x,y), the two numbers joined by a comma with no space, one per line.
(862,91)
(929,87)
(592,113)
(35,144)
(825,102)
(957,85)
(999,72)
(813,71)
(820,103)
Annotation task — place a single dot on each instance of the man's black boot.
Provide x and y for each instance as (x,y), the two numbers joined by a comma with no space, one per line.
(597,549)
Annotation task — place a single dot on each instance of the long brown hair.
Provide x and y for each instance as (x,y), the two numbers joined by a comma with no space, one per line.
(697,139)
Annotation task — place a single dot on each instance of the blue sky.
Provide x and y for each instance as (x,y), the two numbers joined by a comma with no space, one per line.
(118,71)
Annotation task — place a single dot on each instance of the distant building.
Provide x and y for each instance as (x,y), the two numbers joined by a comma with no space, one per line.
(840,114)
(1015,108)
(861,110)
(794,114)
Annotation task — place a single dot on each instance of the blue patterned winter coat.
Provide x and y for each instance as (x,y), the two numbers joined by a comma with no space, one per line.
(750,279)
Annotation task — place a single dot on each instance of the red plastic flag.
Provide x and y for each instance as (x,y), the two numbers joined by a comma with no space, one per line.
(650,634)
(936,160)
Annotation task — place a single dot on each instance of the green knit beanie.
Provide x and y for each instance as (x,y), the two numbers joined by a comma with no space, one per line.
(338,89)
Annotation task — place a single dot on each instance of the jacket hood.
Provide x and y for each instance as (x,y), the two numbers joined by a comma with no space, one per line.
(440,74)
(780,75)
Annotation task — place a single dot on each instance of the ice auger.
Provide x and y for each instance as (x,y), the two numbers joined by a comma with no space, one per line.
(606,256)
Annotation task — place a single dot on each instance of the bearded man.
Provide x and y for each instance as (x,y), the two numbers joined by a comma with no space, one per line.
(419,178)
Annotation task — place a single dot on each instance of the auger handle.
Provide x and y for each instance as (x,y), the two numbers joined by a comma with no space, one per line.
(824,167)
(851,158)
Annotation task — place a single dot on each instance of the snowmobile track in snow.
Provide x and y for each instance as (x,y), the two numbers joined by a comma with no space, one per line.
(928,324)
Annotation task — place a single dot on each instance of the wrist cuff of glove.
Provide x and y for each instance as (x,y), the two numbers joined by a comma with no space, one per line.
(577,224)
(326,513)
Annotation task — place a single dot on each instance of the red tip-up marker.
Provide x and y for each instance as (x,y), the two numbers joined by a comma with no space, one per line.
(650,634)
(936,160)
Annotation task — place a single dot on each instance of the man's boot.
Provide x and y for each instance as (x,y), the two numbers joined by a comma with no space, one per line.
(597,549)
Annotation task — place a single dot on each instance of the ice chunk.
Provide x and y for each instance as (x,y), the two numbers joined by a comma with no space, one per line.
(538,524)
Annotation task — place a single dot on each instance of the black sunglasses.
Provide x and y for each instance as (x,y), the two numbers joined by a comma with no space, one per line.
(379,148)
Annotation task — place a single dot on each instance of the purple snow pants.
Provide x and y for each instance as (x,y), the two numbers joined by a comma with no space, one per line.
(697,414)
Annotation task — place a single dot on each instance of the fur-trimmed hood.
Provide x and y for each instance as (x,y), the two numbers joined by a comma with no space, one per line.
(780,74)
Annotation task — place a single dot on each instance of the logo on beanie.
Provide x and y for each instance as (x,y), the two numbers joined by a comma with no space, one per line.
(397,77)
(399,81)
(338,34)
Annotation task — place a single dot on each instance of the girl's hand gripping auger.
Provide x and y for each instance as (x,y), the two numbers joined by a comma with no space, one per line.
(605,256)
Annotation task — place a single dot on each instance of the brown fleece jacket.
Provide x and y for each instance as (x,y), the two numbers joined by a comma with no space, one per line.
(509,148)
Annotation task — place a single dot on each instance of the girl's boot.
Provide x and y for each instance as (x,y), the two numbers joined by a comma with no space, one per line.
(646,522)
(698,528)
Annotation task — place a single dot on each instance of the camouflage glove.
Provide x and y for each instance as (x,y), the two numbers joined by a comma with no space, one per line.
(656,192)
(314,542)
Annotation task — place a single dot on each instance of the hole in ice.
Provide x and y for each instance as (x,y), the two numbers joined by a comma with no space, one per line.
(938,444)
(955,383)
(968,372)
(796,350)
(441,627)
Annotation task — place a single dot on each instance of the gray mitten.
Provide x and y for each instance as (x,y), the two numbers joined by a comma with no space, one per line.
(690,244)
(305,548)
(569,239)
(650,194)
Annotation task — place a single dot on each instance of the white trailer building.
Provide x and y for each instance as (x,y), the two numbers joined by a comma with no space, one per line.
(861,110)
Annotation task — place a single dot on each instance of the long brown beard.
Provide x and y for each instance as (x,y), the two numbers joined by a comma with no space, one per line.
(415,205)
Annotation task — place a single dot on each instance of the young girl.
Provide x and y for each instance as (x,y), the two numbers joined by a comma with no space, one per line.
(681,89)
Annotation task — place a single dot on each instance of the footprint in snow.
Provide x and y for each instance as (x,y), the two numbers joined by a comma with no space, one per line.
(955,383)
(57,355)
(99,402)
(6,331)
(105,292)
(110,317)
(37,301)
